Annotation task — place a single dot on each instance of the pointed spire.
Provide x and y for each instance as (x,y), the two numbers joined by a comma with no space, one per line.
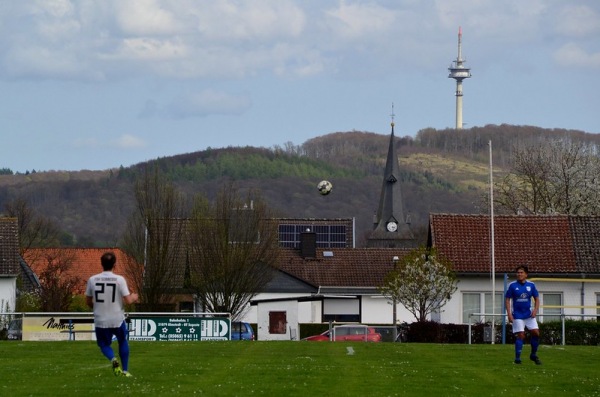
(390,225)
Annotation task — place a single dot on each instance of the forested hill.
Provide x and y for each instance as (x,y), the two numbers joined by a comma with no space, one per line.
(442,171)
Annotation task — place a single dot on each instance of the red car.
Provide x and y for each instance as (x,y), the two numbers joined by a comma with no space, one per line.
(354,333)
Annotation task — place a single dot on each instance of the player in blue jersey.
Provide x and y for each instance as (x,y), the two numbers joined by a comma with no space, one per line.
(520,292)
(106,292)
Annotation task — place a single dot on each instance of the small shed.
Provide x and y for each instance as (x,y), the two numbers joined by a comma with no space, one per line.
(278,319)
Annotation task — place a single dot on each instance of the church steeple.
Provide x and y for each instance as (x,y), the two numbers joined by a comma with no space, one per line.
(391,227)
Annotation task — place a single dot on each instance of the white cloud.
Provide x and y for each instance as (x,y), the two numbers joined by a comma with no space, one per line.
(145,17)
(508,21)
(208,102)
(128,141)
(234,39)
(578,21)
(573,55)
(249,22)
(41,61)
(147,49)
(357,20)
(125,141)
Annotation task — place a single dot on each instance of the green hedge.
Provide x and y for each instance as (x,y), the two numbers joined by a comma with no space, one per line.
(577,332)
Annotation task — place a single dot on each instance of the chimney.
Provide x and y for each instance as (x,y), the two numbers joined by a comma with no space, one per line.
(308,244)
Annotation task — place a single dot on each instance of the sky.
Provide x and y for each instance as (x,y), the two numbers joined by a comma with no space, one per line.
(93,85)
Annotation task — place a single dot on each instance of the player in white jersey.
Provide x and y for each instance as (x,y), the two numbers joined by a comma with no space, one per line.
(106,293)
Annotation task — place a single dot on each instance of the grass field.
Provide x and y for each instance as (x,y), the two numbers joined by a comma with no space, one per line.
(297,369)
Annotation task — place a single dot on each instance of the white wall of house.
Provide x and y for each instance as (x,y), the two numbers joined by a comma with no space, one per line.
(308,312)
(577,296)
(563,293)
(377,310)
(8,293)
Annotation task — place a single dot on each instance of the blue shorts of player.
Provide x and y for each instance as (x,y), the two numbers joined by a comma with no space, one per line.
(104,339)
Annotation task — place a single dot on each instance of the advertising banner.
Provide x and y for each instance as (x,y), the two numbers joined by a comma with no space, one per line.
(56,327)
(179,329)
(62,327)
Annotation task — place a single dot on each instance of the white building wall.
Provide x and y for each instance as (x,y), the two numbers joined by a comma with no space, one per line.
(578,297)
(378,310)
(292,326)
(452,311)
(8,293)
(308,312)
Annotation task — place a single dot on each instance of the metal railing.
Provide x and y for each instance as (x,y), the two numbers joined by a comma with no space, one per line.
(504,323)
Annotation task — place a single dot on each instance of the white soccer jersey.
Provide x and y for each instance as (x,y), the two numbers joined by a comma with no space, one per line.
(107,290)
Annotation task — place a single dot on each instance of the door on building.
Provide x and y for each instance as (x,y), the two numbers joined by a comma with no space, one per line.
(277,322)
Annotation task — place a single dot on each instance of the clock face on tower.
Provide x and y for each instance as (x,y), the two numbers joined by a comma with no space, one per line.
(392,226)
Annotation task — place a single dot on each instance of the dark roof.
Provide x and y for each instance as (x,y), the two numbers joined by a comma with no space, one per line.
(548,244)
(9,247)
(341,267)
(586,242)
(29,280)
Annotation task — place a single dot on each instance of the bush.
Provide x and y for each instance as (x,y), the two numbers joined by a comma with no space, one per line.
(577,332)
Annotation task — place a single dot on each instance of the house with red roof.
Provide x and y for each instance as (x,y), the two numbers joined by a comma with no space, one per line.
(562,253)
(76,264)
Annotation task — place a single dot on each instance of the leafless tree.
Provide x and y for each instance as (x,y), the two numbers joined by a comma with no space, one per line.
(232,250)
(558,176)
(35,230)
(422,281)
(58,281)
(154,238)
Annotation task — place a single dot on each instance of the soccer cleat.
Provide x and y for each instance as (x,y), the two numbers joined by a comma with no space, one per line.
(535,359)
(126,374)
(518,361)
(116,367)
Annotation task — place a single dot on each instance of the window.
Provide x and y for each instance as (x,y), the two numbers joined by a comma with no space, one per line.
(498,303)
(473,302)
(548,311)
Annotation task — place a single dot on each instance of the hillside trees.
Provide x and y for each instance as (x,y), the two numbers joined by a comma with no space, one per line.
(232,250)
(472,142)
(552,176)
(93,206)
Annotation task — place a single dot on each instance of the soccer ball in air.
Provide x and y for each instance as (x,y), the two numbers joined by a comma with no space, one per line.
(324,187)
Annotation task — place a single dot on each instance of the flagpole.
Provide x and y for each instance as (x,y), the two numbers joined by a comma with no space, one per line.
(492,246)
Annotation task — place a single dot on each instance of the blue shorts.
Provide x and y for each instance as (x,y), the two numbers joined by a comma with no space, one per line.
(104,335)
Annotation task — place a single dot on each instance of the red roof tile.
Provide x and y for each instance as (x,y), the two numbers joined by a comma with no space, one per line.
(543,242)
(85,262)
(346,267)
